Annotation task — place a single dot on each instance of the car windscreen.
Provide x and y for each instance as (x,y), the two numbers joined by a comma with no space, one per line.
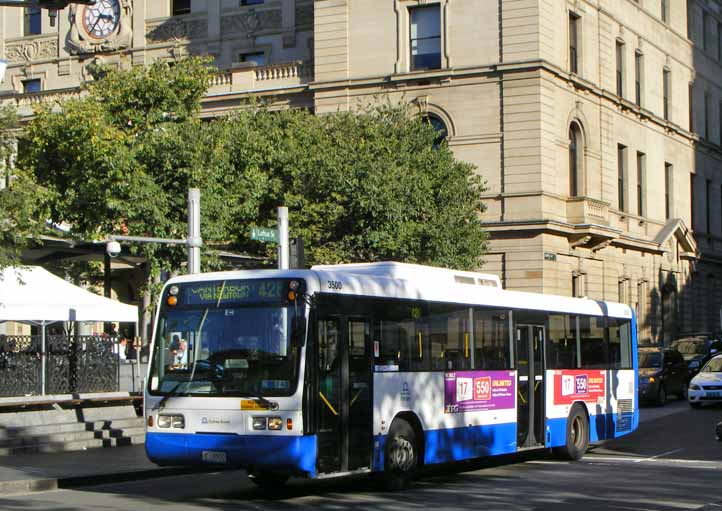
(690,347)
(713,366)
(650,359)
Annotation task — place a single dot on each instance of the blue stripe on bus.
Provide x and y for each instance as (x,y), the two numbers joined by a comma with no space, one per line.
(601,427)
(283,453)
(456,444)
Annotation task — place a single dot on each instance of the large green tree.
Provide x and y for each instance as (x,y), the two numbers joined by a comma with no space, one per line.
(363,186)
(22,201)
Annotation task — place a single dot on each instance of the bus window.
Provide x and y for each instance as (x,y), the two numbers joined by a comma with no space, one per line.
(562,342)
(491,339)
(447,326)
(593,345)
(620,343)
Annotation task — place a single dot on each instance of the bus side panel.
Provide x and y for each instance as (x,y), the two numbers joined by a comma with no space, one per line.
(608,396)
(448,436)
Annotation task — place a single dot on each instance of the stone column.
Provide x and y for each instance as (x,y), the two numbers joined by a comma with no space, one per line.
(214,28)
(138,44)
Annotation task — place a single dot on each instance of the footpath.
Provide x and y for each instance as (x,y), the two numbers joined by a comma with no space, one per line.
(42,472)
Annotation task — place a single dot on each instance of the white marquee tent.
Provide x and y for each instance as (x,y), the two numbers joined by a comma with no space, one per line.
(34,295)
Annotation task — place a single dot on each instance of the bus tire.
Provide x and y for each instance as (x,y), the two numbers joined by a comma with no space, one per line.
(267,480)
(577,437)
(401,456)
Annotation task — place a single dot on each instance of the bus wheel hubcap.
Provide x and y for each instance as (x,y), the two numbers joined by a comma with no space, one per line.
(577,431)
(403,454)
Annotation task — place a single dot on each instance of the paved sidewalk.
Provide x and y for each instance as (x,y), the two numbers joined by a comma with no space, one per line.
(42,472)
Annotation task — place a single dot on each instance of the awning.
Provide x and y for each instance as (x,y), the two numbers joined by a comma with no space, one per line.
(35,295)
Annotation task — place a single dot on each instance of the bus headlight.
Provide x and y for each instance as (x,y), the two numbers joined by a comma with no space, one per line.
(259,423)
(164,421)
(179,421)
(275,423)
(695,387)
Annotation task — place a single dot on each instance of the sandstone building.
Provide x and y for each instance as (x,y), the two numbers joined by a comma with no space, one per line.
(596,123)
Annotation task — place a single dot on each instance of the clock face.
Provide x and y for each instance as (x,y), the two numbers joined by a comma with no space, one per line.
(101,20)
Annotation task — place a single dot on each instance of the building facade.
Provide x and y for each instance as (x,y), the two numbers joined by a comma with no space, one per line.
(597,124)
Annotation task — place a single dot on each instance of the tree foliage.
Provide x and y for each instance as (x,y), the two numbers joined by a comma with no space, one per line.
(22,201)
(363,186)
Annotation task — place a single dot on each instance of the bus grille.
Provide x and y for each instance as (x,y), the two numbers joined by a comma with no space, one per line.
(625,414)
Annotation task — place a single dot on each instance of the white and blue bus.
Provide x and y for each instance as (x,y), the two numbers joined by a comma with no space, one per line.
(382,367)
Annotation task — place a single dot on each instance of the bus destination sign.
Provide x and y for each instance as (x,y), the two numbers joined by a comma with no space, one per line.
(225,292)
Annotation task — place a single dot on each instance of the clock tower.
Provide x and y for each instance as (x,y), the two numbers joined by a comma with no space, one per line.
(103,26)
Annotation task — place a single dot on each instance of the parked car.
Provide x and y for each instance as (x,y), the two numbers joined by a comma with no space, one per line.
(706,387)
(662,371)
(697,350)
(718,431)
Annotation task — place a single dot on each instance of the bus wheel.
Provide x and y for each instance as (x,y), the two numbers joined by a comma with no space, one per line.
(401,456)
(577,436)
(267,480)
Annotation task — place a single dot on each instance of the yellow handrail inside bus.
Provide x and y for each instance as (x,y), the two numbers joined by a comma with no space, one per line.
(330,407)
(421,349)
(466,344)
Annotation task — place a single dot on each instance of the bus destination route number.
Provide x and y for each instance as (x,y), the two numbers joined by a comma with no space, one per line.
(335,285)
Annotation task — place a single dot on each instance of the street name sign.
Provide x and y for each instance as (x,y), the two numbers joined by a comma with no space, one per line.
(264,234)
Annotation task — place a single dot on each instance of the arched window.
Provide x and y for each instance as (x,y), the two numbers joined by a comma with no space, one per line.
(576,151)
(439,127)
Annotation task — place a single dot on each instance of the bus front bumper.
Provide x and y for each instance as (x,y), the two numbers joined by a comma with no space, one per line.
(286,454)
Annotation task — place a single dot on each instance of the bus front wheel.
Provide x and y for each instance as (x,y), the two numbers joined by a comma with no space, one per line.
(577,437)
(401,456)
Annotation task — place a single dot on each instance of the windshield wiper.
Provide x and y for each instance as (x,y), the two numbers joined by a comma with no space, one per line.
(171,392)
(270,405)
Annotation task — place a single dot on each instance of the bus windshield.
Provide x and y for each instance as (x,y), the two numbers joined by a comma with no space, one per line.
(222,339)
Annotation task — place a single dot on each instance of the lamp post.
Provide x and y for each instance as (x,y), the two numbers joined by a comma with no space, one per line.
(194,242)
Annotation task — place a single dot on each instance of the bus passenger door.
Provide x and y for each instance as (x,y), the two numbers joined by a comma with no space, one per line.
(328,399)
(344,394)
(360,398)
(530,385)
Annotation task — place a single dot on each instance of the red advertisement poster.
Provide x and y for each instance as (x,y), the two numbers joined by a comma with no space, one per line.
(578,385)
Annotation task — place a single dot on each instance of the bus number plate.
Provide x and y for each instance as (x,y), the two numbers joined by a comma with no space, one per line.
(214,457)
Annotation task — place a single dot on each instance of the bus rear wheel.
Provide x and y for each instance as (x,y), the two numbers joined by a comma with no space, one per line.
(401,458)
(577,437)
(267,480)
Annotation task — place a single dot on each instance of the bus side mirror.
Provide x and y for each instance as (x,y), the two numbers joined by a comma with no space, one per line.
(298,330)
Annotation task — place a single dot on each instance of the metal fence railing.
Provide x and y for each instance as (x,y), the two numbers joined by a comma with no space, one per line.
(73,364)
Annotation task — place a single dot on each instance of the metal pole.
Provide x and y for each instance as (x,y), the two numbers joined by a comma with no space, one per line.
(43,358)
(194,230)
(283,238)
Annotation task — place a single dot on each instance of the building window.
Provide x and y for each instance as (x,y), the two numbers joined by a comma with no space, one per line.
(33,21)
(30,86)
(621,172)
(665,93)
(620,68)
(708,205)
(574,22)
(576,151)
(668,169)
(641,177)
(439,128)
(690,93)
(720,123)
(622,290)
(664,6)
(719,42)
(692,180)
(425,40)
(258,58)
(638,70)
(705,19)
(180,7)
(577,284)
